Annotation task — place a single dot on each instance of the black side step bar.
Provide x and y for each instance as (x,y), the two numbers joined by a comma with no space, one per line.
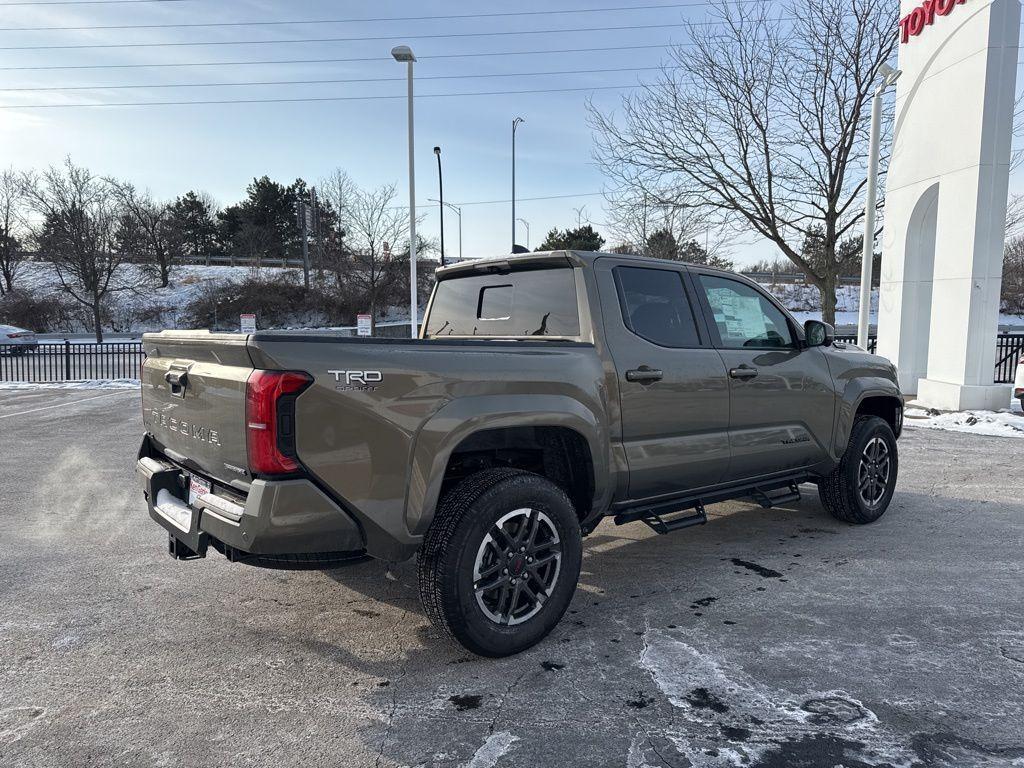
(767,502)
(666,516)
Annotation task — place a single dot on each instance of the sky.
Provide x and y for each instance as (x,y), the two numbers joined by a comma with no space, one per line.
(219,148)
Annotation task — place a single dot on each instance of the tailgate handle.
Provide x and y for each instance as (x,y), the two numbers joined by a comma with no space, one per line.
(178,381)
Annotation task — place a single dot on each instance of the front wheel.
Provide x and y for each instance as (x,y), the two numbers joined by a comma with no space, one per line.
(860,488)
(500,562)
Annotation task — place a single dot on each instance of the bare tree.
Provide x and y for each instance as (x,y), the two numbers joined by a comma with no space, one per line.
(1014,216)
(145,230)
(1013,276)
(634,216)
(78,218)
(12,221)
(762,121)
(375,232)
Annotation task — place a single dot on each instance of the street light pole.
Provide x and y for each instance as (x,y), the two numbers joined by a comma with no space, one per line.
(458,212)
(889,77)
(440,201)
(515,124)
(527,225)
(404,53)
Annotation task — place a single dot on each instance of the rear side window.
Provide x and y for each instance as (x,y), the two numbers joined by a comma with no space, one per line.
(655,306)
(534,302)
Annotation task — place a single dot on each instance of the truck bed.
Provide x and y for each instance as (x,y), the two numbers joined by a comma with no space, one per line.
(378,419)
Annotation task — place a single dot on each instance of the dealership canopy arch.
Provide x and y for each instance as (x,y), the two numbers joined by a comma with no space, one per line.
(945,205)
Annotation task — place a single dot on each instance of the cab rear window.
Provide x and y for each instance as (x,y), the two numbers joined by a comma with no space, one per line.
(535,302)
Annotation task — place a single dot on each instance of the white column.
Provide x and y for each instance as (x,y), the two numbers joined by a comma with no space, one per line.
(945,204)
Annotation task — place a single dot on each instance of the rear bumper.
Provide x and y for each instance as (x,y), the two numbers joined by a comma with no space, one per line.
(282,524)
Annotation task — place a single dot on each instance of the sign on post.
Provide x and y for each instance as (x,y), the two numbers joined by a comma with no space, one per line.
(248,323)
(362,325)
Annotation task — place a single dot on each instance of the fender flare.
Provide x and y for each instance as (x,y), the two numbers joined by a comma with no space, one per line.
(857,391)
(438,437)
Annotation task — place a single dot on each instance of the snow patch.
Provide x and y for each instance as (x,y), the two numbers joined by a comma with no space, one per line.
(492,750)
(114,384)
(635,756)
(1005,423)
(730,719)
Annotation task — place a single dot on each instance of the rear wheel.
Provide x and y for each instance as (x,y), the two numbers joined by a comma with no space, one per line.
(860,488)
(500,562)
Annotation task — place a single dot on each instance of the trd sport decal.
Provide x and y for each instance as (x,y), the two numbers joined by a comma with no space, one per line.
(364,380)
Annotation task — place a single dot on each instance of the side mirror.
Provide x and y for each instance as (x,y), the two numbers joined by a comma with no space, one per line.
(819,334)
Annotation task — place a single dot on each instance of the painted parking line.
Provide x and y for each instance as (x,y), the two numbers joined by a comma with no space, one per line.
(62,405)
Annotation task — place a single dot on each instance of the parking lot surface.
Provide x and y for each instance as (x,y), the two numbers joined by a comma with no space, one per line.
(765,638)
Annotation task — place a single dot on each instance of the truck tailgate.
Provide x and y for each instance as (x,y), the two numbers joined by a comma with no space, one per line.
(193,400)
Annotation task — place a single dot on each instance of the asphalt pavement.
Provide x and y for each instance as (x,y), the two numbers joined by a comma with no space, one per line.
(765,638)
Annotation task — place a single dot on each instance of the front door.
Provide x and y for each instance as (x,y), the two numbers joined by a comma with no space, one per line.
(781,392)
(673,390)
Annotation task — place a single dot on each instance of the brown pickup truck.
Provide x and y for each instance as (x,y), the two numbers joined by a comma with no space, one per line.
(546,392)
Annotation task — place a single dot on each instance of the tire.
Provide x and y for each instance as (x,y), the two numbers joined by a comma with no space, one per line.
(840,491)
(472,530)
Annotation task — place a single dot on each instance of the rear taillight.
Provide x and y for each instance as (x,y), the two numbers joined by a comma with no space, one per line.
(270,420)
(13,335)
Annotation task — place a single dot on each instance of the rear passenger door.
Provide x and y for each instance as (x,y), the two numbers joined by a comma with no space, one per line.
(673,387)
(781,391)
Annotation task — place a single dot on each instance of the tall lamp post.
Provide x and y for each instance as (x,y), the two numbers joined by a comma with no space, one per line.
(515,124)
(458,212)
(404,53)
(440,201)
(889,77)
(526,224)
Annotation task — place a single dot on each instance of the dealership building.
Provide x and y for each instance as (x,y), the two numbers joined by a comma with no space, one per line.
(946,193)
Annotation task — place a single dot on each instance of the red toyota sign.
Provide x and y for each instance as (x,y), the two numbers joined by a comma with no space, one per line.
(924,15)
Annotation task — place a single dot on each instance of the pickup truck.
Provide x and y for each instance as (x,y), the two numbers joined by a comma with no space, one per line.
(546,392)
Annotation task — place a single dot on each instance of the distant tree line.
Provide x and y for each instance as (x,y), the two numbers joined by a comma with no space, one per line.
(90,228)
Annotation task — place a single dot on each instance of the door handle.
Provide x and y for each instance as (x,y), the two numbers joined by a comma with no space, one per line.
(644,375)
(743,372)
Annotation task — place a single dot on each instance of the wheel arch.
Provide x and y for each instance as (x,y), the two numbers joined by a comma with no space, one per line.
(870,397)
(561,430)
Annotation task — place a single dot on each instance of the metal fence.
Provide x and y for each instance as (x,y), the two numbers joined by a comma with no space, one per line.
(67,361)
(70,361)
(1009,349)
(852,339)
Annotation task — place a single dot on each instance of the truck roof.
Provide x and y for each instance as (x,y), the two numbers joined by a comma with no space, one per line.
(568,258)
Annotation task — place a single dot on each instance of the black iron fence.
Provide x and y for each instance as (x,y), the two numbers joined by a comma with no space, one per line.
(852,339)
(68,361)
(1009,349)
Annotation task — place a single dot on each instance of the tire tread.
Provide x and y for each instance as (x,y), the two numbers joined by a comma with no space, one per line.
(834,489)
(449,514)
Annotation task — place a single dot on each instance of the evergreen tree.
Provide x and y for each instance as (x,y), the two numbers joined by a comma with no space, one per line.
(193,225)
(580,239)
